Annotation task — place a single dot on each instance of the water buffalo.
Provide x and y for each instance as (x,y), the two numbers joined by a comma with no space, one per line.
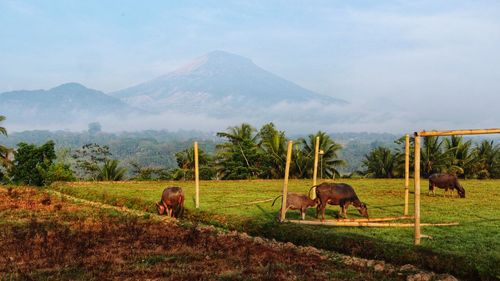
(295,201)
(338,194)
(446,181)
(172,202)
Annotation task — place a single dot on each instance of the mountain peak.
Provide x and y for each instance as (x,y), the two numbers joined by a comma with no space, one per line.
(215,61)
(223,55)
(72,86)
(222,83)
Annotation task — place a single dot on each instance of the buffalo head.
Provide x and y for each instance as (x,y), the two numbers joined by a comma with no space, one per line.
(363,210)
(160,208)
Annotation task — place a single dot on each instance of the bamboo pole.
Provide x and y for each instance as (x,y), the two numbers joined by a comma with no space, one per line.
(459,132)
(416,177)
(285,182)
(250,203)
(374,219)
(315,172)
(196,175)
(369,224)
(407,172)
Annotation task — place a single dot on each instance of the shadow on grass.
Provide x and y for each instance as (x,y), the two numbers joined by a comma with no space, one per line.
(358,245)
(267,214)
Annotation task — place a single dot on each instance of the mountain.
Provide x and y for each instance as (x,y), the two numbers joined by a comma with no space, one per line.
(217,90)
(61,107)
(219,84)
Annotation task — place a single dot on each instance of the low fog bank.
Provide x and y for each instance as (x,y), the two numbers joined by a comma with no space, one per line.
(294,118)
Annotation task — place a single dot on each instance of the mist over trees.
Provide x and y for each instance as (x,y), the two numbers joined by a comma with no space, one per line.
(239,152)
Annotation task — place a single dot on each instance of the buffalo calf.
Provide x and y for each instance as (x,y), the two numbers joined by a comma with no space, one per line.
(295,201)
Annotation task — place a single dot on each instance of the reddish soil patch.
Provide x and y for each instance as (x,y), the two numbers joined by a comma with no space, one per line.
(45,238)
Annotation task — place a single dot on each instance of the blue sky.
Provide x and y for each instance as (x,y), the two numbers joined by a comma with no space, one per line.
(377,54)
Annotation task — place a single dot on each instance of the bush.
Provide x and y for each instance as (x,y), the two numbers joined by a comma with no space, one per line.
(57,172)
(31,163)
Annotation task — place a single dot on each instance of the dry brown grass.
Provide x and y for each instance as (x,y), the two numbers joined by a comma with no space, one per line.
(43,237)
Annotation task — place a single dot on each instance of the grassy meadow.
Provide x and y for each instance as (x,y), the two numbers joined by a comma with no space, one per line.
(471,249)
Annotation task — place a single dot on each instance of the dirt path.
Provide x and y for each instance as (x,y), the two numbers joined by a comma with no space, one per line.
(107,206)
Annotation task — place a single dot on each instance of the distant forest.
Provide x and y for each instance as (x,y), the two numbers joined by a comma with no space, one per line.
(362,154)
(153,148)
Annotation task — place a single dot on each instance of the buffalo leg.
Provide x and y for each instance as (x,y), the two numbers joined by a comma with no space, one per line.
(303,213)
(166,207)
(321,208)
(279,215)
(344,210)
(432,189)
(431,192)
(318,209)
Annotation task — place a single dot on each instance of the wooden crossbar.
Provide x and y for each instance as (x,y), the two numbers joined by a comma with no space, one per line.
(250,203)
(458,132)
(372,219)
(368,224)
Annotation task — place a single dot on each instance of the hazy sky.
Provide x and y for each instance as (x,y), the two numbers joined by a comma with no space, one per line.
(440,57)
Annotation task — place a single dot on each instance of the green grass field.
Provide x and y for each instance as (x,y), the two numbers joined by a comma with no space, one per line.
(471,249)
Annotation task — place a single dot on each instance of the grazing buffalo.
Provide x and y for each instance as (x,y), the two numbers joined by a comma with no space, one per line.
(338,194)
(172,202)
(296,201)
(446,181)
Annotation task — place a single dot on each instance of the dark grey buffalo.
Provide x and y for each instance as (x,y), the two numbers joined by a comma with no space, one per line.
(172,202)
(295,201)
(338,194)
(447,182)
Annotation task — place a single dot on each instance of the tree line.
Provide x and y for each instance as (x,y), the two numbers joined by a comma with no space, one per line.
(454,155)
(245,153)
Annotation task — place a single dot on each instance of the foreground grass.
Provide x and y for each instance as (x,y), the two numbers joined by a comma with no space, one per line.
(46,237)
(471,249)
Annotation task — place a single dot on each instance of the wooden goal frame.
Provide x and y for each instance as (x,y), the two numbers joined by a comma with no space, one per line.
(416,176)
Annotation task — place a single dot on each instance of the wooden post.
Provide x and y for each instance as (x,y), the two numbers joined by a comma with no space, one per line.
(196,175)
(407,172)
(315,171)
(417,189)
(285,182)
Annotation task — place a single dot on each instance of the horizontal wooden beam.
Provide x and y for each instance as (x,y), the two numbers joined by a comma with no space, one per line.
(369,224)
(458,132)
(373,219)
(250,203)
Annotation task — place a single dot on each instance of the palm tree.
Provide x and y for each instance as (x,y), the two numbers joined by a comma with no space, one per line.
(273,145)
(487,159)
(5,152)
(185,161)
(329,161)
(3,131)
(185,158)
(381,162)
(110,171)
(239,157)
(461,156)
(434,159)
